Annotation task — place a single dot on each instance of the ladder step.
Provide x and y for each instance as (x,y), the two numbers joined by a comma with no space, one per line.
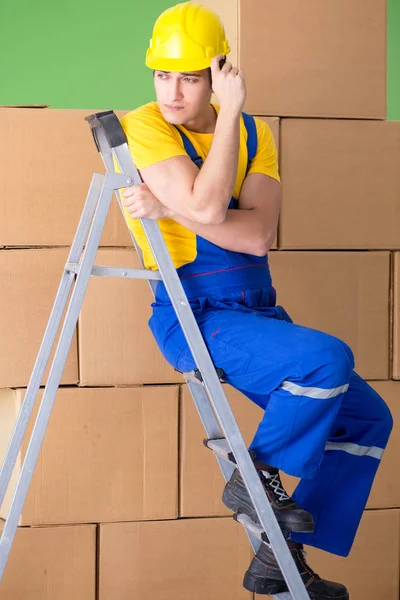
(220,373)
(191,376)
(196,377)
(252,527)
(221,448)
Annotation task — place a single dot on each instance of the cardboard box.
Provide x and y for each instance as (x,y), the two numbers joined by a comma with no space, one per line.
(108,455)
(314,59)
(274,124)
(184,550)
(228,12)
(340,184)
(385,492)
(345,294)
(360,318)
(173,560)
(51,563)
(116,346)
(46,167)
(54,149)
(201,480)
(29,281)
(371,571)
(396,316)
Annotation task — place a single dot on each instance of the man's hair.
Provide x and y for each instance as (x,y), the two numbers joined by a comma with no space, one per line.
(208,73)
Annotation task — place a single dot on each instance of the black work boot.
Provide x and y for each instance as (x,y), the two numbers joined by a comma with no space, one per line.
(290,516)
(265,577)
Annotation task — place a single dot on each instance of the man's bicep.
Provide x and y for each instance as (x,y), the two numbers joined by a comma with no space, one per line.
(172,181)
(260,192)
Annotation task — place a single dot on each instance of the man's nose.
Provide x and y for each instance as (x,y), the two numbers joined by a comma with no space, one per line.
(176,91)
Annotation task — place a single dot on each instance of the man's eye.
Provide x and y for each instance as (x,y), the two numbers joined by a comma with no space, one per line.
(191,80)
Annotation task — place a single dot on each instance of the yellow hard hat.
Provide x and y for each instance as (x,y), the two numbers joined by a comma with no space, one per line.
(186,37)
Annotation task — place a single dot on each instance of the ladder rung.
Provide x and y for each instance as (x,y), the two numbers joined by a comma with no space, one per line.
(221,448)
(220,373)
(120,272)
(191,376)
(252,527)
(196,377)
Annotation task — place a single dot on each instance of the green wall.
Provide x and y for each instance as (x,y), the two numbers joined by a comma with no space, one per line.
(77,54)
(90,54)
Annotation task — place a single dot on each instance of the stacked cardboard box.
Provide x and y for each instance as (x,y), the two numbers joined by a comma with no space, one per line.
(100,457)
(51,563)
(123,454)
(47,161)
(314,59)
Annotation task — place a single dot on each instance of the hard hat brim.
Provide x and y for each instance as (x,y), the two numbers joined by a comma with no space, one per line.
(177,64)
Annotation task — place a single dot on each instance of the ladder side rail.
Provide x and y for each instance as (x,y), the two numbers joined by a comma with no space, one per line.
(105,145)
(49,337)
(110,182)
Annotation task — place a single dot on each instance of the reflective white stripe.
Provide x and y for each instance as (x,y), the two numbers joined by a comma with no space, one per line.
(313,392)
(372,451)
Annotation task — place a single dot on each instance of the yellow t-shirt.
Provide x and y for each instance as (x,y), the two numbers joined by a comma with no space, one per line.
(152,139)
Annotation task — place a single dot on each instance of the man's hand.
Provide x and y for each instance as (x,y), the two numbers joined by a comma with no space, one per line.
(142,204)
(229,85)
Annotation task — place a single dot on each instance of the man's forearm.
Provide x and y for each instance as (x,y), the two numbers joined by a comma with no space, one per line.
(242,231)
(215,182)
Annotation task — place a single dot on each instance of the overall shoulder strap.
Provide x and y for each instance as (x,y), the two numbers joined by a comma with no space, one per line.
(252,139)
(190,149)
(252,142)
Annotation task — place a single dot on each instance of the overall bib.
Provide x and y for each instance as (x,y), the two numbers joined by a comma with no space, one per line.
(322,422)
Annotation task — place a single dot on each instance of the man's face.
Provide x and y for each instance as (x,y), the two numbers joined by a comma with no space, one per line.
(182,96)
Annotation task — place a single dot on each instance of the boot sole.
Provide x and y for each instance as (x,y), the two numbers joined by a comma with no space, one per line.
(243,507)
(252,584)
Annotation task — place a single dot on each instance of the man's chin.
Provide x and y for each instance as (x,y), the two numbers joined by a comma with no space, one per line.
(175,118)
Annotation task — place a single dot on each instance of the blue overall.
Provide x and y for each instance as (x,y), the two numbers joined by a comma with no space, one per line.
(321,421)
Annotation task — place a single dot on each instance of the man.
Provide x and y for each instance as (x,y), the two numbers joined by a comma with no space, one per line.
(322,422)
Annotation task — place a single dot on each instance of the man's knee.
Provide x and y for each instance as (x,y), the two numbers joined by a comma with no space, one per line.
(386,418)
(334,359)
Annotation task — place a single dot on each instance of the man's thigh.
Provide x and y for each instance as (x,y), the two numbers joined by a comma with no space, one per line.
(257,353)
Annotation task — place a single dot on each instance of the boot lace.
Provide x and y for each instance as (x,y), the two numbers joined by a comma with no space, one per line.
(274,481)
